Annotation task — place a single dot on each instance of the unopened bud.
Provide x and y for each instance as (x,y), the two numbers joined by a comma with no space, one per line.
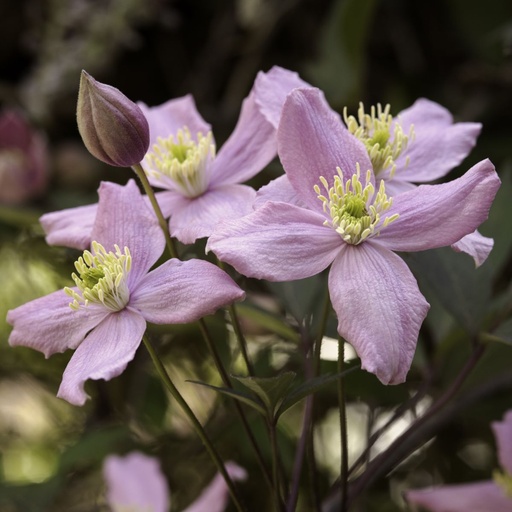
(112,127)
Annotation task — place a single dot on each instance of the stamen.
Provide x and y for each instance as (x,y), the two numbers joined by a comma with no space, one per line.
(183,161)
(355,213)
(101,278)
(382,136)
(504,481)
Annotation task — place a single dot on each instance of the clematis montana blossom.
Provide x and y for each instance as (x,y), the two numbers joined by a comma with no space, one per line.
(421,144)
(350,224)
(104,317)
(135,482)
(492,495)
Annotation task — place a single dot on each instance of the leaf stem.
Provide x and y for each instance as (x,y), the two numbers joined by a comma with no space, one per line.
(343,426)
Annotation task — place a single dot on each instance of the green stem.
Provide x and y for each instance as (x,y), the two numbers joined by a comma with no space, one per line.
(162,372)
(139,171)
(278,504)
(343,426)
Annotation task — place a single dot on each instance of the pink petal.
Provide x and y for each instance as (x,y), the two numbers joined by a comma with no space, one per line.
(103,354)
(251,146)
(196,218)
(396,186)
(477,497)
(124,219)
(476,245)
(312,142)
(183,291)
(503,433)
(135,482)
(70,227)
(279,190)
(439,215)
(278,242)
(271,89)
(215,497)
(50,326)
(380,308)
(439,144)
(169,117)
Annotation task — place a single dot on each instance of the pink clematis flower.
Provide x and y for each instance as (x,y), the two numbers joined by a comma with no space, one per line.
(23,159)
(136,483)
(492,495)
(421,144)
(115,295)
(351,224)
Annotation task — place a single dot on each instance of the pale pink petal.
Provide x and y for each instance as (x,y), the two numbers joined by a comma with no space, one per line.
(477,497)
(279,190)
(103,354)
(196,218)
(476,245)
(251,146)
(271,89)
(278,242)
(215,497)
(135,482)
(312,142)
(124,219)
(503,433)
(438,146)
(396,186)
(70,227)
(179,292)
(380,308)
(434,216)
(169,117)
(49,325)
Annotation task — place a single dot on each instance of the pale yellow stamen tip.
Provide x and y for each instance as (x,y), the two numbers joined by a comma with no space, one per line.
(101,278)
(355,210)
(504,481)
(183,161)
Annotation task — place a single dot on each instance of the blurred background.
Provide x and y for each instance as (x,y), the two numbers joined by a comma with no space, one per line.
(455,52)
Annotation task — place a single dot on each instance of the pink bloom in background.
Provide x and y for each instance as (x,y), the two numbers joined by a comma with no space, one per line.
(116,295)
(348,222)
(136,483)
(433,148)
(488,496)
(23,159)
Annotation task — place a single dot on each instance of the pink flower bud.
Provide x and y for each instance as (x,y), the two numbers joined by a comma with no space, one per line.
(112,127)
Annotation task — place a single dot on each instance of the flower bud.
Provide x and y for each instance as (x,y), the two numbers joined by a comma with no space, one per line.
(113,128)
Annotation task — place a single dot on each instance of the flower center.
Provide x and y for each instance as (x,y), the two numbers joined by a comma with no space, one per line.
(504,481)
(355,210)
(101,278)
(183,161)
(383,137)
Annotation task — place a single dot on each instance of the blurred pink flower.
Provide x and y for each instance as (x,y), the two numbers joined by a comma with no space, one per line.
(23,159)
(136,483)
(487,496)
(116,294)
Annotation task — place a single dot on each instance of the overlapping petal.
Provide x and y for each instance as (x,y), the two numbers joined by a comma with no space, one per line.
(279,190)
(503,433)
(434,216)
(250,147)
(183,291)
(193,218)
(50,326)
(438,146)
(477,497)
(123,218)
(278,242)
(476,245)
(312,142)
(379,307)
(103,354)
(135,482)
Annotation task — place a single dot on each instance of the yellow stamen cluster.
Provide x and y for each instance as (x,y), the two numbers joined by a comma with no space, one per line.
(183,160)
(102,278)
(504,481)
(355,212)
(382,136)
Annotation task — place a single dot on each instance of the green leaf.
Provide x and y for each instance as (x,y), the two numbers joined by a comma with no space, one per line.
(270,390)
(237,395)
